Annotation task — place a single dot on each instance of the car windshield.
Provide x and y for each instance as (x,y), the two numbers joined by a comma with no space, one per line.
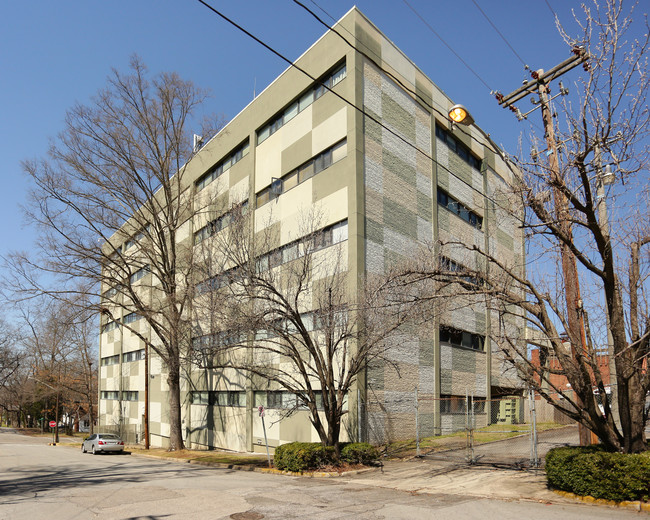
(109,436)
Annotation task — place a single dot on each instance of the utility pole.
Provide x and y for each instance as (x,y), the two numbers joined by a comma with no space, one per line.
(603,178)
(574,306)
(146,396)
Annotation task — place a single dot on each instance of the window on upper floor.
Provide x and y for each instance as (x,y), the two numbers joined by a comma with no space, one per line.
(458,148)
(131,317)
(110,360)
(222,166)
(136,355)
(109,326)
(139,274)
(460,338)
(299,104)
(220,222)
(129,395)
(307,170)
(458,208)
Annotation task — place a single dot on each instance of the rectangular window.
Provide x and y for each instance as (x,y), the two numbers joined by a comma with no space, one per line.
(129,395)
(200,398)
(322,161)
(289,400)
(136,355)
(275,258)
(340,232)
(228,161)
(305,100)
(111,325)
(139,274)
(298,105)
(263,197)
(290,112)
(290,181)
(263,134)
(110,360)
(323,239)
(306,171)
(131,317)
(234,399)
(316,165)
(458,148)
(460,338)
(289,253)
(221,222)
(447,201)
(112,395)
(339,151)
(338,76)
(453,404)
(274,399)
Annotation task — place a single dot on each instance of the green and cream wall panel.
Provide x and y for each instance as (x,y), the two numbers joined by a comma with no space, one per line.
(397,177)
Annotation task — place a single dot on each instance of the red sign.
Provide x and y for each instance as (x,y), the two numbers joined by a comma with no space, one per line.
(52,424)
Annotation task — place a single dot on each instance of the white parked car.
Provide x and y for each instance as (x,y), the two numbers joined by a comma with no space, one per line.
(102,443)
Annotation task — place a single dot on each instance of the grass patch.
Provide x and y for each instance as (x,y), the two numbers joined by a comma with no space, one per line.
(232,459)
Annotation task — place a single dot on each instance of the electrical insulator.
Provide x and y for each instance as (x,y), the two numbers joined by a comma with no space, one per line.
(534,74)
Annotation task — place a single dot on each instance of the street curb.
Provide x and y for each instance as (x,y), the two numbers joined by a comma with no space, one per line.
(635,505)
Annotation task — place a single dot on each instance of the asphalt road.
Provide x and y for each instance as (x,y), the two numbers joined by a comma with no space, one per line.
(38,481)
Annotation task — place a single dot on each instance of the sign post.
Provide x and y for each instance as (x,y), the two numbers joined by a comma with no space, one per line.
(260,409)
(53,425)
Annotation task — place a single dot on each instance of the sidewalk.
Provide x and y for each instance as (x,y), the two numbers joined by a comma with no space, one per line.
(420,476)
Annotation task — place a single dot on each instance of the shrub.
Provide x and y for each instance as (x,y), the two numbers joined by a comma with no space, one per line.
(359,453)
(300,456)
(593,471)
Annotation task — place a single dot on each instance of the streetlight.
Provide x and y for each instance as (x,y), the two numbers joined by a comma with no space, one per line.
(459,114)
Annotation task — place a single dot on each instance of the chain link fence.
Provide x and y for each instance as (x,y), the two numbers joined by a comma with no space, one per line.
(504,431)
(513,431)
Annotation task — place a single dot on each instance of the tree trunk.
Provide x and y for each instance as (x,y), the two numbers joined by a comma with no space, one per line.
(175,426)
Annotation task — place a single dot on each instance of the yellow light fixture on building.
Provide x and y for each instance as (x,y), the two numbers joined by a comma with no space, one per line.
(459,114)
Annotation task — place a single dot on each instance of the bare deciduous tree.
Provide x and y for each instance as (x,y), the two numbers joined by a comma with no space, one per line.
(10,357)
(110,203)
(289,316)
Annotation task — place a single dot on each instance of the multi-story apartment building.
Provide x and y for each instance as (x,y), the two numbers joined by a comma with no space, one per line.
(389,173)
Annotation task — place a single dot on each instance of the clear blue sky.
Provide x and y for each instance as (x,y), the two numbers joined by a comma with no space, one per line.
(55,53)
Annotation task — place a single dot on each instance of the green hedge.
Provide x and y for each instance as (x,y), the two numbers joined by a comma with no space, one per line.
(301,456)
(592,471)
(359,453)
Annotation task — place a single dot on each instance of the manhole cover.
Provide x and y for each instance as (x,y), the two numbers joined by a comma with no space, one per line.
(247,515)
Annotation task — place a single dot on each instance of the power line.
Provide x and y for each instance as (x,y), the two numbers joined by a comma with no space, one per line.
(407,88)
(552,11)
(361,110)
(499,33)
(448,46)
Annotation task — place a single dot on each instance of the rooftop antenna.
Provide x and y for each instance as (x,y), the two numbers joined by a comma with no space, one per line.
(254,87)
